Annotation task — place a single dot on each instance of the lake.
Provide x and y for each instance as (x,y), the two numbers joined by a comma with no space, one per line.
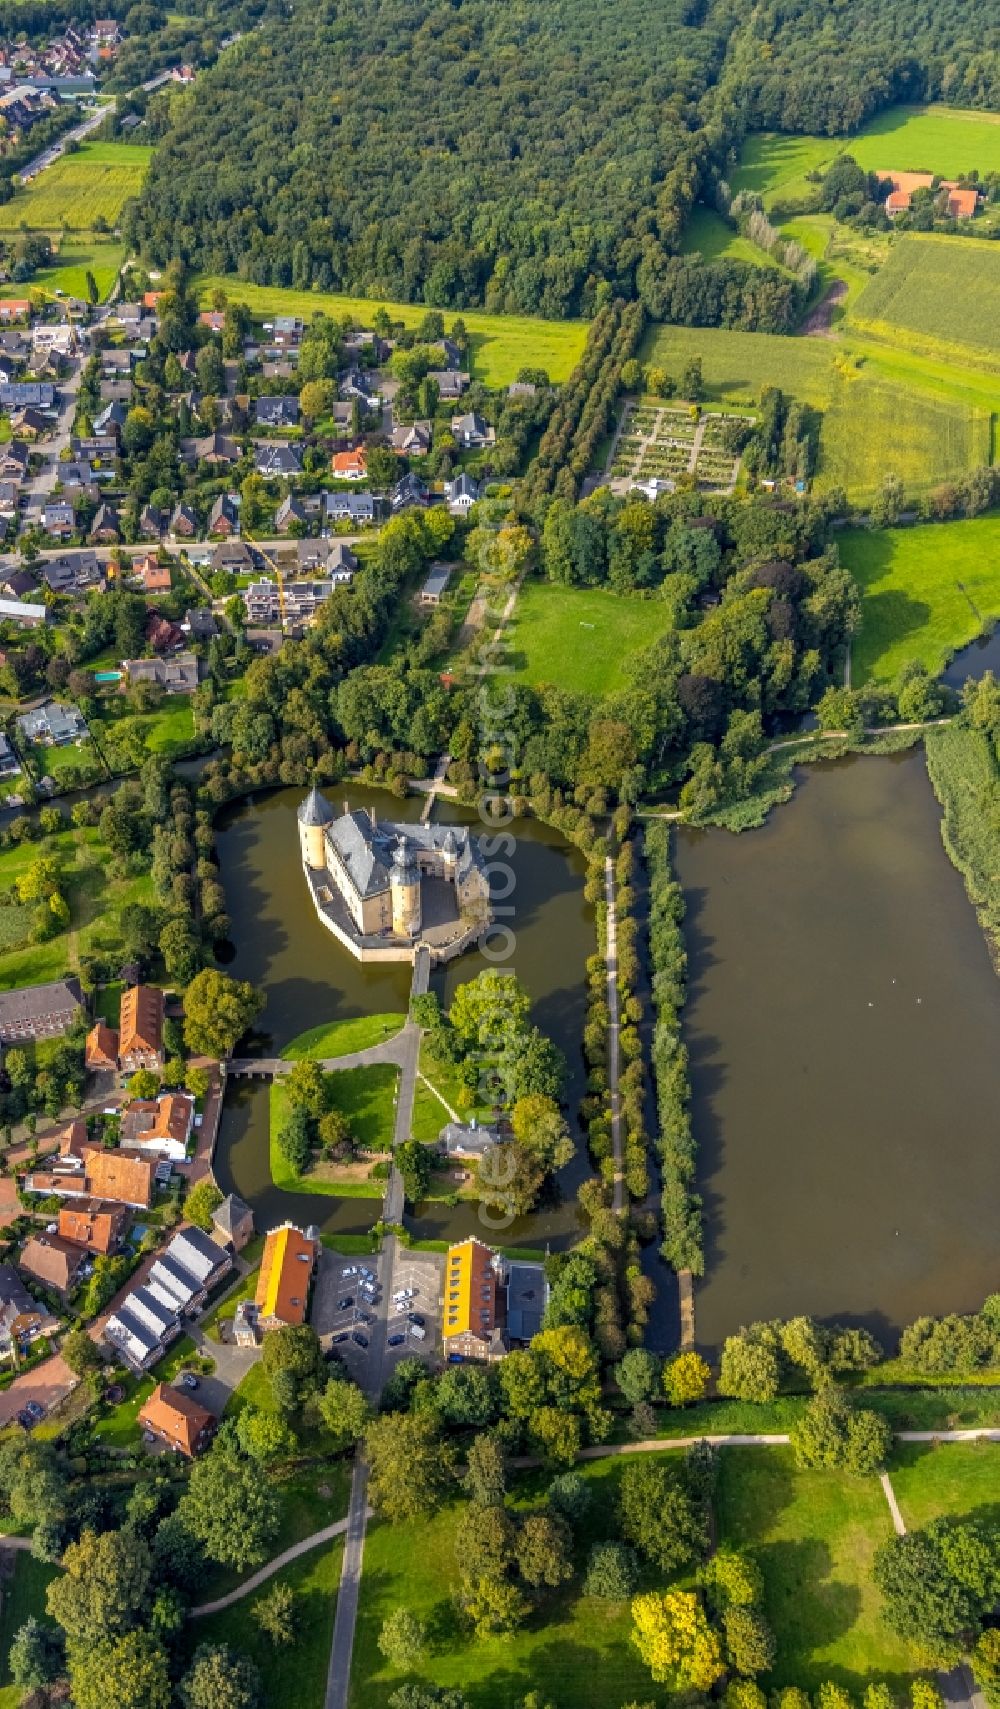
(843,1021)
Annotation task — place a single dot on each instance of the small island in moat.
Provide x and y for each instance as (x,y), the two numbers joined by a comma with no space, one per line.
(385,890)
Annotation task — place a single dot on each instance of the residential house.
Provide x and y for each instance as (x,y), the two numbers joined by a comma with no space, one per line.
(73,572)
(116,390)
(96,1228)
(177,1420)
(451,383)
(91,1172)
(950,199)
(276,412)
(302,600)
(23,615)
(290,512)
(111,419)
(39,1011)
(15,309)
(235,557)
(224,517)
(58,519)
(461,494)
(349,465)
(179,1282)
(29,424)
(214,319)
(10,765)
(218,449)
(159,1127)
(286,1269)
(54,340)
(233,1222)
(184,523)
(19,584)
(200,623)
(52,725)
(471,431)
(13,461)
(77,477)
(361,384)
(286,332)
(521,389)
(466,1140)
(22,1317)
(413,441)
(106,527)
(153,576)
(118,364)
(435,586)
(18,394)
(101,448)
(151,522)
(341,562)
(178,675)
(360,509)
(411,490)
(10,498)
(54,1262)
(163,635)
(275,461)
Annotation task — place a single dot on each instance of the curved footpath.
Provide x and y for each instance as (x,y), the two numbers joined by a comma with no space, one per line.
(267,1571)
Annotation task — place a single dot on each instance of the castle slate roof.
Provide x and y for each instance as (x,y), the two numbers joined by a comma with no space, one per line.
(365,850)
(315,809)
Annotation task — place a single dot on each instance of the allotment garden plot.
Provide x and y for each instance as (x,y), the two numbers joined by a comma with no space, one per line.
(664,441)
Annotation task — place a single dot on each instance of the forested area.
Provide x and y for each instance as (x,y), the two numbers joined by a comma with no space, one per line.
(532,160)
(809,66)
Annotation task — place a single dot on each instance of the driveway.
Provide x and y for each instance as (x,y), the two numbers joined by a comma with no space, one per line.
(47,1384)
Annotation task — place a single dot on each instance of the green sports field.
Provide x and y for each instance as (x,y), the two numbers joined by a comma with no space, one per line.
(945,140)
(96,180)
(581,638)
(501,344)
(938,294)
(925,592)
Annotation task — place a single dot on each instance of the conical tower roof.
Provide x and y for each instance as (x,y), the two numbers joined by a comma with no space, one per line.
(315,809)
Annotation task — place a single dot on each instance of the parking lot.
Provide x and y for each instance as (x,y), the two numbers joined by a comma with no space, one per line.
(348,1309)
(419,1276)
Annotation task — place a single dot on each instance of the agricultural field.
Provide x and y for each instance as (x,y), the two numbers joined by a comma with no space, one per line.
(501,344)
(936,294)
(873,427)
(94,182)
(68,273)
(925,592)
(945,140)
(581,639)
(736,365)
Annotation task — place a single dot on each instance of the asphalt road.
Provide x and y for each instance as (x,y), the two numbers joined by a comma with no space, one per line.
(338,1677)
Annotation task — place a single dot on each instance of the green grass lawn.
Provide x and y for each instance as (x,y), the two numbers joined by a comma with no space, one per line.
(814,1535)
(709,235)
(341,1038)
(736,365)
(22,1597)
(296,1673)
(946,1478)
(367,1097)
(95,897)
(501,344)
(926,591)
(945,140)
(74,260)
(169,730)
(580,638)
(577,1651)
(98,179)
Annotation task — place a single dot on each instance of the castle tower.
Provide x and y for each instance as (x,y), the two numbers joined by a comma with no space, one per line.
(449,855)
(404,888)
(315,814)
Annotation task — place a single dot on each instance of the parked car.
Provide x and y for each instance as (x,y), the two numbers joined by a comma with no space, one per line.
(349,1270)
(362,1340)
(395,1340)
(346,1303)
(418,1332)
(189,1380)
(343,1336)
(415,1317)
(363,1317)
